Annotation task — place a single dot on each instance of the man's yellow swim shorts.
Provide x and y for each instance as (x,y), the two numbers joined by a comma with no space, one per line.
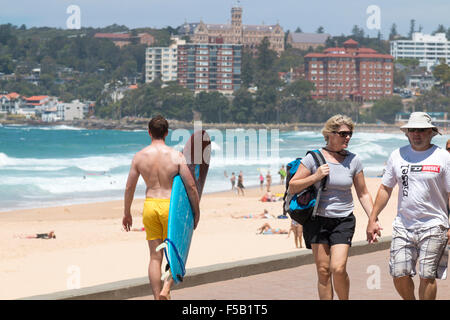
(155,218)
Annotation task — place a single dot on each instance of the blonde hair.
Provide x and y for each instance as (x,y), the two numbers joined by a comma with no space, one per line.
(333,124)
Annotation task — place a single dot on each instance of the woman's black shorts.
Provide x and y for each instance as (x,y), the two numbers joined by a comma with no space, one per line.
(329,231)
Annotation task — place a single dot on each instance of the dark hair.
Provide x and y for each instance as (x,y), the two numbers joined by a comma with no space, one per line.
(158,127)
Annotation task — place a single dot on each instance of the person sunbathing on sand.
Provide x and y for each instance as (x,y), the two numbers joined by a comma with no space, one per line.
(267,229)
(49,235)
(264,215)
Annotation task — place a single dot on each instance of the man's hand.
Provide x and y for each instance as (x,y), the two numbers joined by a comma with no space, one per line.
(127,222)
(373,231)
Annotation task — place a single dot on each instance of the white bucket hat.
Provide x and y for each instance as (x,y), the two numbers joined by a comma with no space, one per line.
(419,120)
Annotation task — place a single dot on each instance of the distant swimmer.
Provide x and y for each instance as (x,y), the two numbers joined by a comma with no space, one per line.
(158,164)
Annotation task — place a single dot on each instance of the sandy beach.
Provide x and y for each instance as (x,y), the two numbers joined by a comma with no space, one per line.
(91,247)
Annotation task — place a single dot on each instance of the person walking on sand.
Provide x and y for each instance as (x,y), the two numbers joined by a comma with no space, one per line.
(240,183)
(282,173)
(268,181)
(421,228)
(297,230)
(158,164)
(233,181)
(261,180)
(330,234)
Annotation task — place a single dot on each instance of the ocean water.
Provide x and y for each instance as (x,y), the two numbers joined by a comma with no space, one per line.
(58,165)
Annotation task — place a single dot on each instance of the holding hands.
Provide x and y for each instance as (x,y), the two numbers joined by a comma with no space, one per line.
(373,231)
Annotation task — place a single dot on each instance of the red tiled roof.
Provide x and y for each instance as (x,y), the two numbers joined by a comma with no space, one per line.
(375,55)
(366,50)
(13,95)
(324,55)
(38,98)
(350,42)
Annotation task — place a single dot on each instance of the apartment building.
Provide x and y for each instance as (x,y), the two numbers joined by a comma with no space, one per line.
(210,67)
(162,62)
(359,74)
(428,49)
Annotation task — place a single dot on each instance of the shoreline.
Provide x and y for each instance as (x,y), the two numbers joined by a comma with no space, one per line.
(141,124)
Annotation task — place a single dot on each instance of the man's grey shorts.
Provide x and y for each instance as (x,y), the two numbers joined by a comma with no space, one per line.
(428,246)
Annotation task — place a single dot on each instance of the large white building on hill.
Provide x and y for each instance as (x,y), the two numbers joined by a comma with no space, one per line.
(428,49)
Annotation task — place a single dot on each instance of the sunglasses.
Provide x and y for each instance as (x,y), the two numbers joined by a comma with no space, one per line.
(344,134)
(417,129)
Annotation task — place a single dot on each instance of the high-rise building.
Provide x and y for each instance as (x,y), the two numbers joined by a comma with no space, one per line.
(210,67)
(428,49)
(359,74)
(249,36)
(161,62)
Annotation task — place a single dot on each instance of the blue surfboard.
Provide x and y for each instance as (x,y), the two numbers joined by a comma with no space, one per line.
(181,216)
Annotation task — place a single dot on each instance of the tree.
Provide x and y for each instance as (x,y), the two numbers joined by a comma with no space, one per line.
(212,105)
(298,30)
(386,108)
(412,28)
(432,101)
(320,30)
(241,108)
(442,73)
(265,74)
(296,103)
(357,32)
(440,29)
(248,68)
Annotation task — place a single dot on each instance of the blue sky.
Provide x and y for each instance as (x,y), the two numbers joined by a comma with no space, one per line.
(335,16)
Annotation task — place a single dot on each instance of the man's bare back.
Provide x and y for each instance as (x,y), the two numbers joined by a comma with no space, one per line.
(158,164)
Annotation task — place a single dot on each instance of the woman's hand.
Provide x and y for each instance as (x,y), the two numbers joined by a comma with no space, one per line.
(322,171)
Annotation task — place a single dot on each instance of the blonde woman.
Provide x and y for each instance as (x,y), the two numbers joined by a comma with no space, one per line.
(330,234)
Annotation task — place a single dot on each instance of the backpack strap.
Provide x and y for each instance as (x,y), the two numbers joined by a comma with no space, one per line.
(319,160)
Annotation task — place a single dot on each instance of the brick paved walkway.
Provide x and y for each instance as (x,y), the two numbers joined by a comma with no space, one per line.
(300,284)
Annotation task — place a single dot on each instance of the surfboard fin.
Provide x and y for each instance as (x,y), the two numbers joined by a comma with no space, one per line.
(165,275)
(161,246)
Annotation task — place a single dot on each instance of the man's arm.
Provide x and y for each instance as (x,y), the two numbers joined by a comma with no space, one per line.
(133,177)
(191,189)
(373,229)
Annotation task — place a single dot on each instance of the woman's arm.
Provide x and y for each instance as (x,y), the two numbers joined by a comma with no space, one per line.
(363,193)
(303,178)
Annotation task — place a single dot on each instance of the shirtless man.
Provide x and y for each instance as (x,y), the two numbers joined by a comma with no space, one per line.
(158,164)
